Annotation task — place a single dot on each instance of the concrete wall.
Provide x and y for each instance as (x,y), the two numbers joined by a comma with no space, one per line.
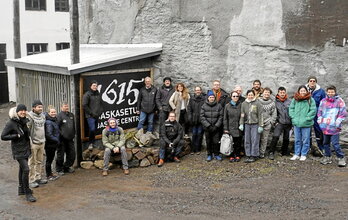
(280,42)
(36,27)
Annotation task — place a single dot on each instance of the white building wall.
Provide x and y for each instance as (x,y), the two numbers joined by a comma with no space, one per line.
(48,26)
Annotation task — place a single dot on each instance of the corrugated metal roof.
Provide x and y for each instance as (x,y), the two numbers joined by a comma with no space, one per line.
(92,56)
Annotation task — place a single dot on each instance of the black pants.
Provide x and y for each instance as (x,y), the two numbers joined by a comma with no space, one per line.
(66,147)
(50,153)
(23,174)
(278,130)
(183,121)
(163,116)
(237,146)
(212,140)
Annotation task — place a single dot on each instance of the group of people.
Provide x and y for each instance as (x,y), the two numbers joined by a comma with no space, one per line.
(35,134)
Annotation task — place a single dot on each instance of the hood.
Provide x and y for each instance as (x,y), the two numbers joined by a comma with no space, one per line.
(317,87)
(332,99)
(13,114)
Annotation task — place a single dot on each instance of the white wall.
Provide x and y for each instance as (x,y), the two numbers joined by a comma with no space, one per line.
(36,27)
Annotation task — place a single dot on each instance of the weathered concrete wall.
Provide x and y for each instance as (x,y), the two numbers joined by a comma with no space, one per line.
(280,42)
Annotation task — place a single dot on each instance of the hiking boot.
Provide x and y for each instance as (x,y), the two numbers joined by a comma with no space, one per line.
(252,159)
(247,160)
(237,159)
(126,172)
(295,157)
(90,147)
(33,185)
(218,157)
(232,159)
(69,170)
(52,178)
(30,197)
(326,160)
(271,156)
(22,192)
(342,162)
(176,159)
(262,155)
(209,158)
(41,181)
(303,158)
(104,173)
(60,173)
(160,163)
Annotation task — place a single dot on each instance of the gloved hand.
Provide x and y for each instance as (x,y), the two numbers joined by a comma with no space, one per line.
(241,127)
(260,130)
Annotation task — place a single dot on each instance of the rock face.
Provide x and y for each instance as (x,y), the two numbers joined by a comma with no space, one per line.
(280,42)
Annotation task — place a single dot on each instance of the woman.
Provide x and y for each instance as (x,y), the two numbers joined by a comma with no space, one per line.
(178,102)
(52,140)
(17,132)
(302,111)
(231,125)
(251,120)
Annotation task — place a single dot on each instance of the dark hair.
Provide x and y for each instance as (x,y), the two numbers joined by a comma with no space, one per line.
(257,80)
(268,89)
(250,91)
(167,78)
(303,86)
(234,92)
(331,87)
(281,89)
(93,82)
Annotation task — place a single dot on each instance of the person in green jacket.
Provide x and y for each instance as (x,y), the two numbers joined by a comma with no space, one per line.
(302,110)
(114,142)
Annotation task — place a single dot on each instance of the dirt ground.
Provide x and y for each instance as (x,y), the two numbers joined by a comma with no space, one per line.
(193,189)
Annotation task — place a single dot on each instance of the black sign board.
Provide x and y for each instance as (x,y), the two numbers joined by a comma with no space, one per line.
(119,91)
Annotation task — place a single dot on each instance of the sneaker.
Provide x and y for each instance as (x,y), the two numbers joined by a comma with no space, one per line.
(60,173)
(232,159)
(247,160)
(237,159)
(342,162)
(209,158)
(126,172)
(252,159)
(218,157)
(33,185)
(303,158)
(326,160)
(69,170)
(30,197)
(22,192)
(41,181)
(176,159)
(90,147)
(160,163)
(186,136)
(262,155)
(104,173)
(271,156)
(295,157)
(52,178)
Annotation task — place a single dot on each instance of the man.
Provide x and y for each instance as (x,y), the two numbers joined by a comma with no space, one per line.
(239,90)
(172,140)
(257,88)
(221,96)
(269,113)
(162,99)
(66,123)
(36,126)
(318,94)
(211,119)
(331,113)
(147,105)
(283,123)
(193,114)
(114,142)
(92,105)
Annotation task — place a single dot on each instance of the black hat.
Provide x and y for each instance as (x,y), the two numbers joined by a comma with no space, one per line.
(36,103)
(21,107)
(167,78)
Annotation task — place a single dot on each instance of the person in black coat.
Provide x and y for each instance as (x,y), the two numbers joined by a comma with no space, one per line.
(17,132)
(66,123)
(52,135)
(92,106)
(162,99)
(147,105)
(211,119)
(194,118)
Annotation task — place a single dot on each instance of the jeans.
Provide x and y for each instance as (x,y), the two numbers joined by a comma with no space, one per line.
(302,136)
(92,127)
(23,175)
(252,140)
(197,137)
(142,118)
(334,139)
(171,152)
(36,161)
(108,153)
(66,147)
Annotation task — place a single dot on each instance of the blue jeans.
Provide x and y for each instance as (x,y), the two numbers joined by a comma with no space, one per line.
(142,118)
(334,139)
(197,136)
(302,137)
(92,126)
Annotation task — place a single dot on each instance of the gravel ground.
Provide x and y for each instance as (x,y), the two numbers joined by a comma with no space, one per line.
(193,189)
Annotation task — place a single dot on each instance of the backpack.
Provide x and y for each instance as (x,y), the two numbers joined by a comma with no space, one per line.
(226,144)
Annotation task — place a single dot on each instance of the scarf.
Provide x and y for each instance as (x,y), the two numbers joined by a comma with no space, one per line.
(298,97)
(233,103)
(282,100)
(217,94)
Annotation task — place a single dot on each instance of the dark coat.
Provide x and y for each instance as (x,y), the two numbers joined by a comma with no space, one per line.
(283,111)
(20,145)
(146,99)
(162,98)
(92,104)
(211,114)
(172,132)
(52,133)
(232,118)
(194,109)
(224,98)
(66,124)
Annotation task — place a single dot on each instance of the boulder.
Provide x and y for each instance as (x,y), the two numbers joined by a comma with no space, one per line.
(150,158)
(100,164)
(87,165)
(145,163)
(90,154)
(133,163)
(140,155)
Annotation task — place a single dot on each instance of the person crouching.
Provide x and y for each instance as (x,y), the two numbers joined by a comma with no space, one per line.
(114,142)
(171,141)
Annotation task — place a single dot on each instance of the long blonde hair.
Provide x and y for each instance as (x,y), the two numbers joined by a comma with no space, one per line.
(185,91)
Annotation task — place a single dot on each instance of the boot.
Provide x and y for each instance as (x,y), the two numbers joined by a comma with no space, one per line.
(104,173)
(30,197)
(176,159)
(21,191)
(160,163)
(126,172)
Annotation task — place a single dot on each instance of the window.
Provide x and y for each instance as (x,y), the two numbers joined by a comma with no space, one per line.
(35,5)
(62,5)
(36,48)
(62,46)
(2,58)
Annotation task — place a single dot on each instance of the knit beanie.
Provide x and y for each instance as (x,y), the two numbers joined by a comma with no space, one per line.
(36,103)
(312,77)
(21,107)
(167,78)
(210,93)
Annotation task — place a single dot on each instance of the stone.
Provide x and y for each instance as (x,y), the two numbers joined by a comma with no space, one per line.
(133,163)
(131,143)
(135,150)
(129,155)
(145,163)
(100,155)
(100,164)
(187,148)
(150,158)
(87,165)
(90,154)
(140,155)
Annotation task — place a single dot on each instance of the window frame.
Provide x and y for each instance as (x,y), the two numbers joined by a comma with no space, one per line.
(33,50)
(41,5)
(58,5)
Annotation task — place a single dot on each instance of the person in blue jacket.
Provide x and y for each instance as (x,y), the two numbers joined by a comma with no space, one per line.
(317,94)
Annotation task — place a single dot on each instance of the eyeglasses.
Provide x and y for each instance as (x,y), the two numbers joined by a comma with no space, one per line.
(312,81)
(235,96)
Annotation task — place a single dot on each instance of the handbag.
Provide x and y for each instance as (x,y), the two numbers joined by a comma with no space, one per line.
(226,144)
